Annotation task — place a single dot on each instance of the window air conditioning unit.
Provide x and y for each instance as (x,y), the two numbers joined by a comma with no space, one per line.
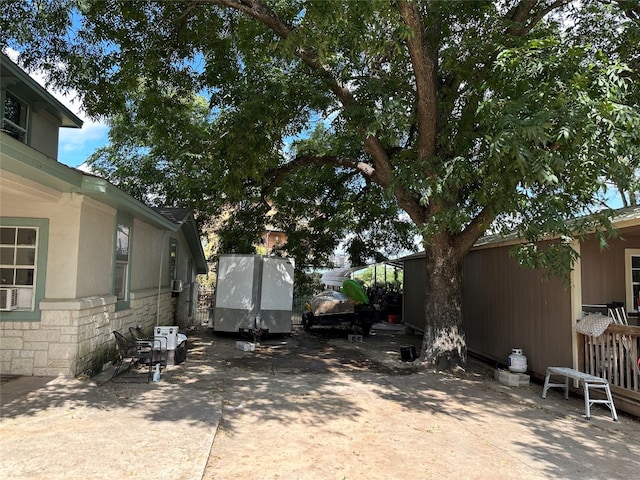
(176,286)
(8,299)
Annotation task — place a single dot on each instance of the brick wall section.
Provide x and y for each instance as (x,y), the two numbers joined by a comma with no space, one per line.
(74,336)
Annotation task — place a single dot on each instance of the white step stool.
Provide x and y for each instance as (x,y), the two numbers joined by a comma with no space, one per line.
(588,381)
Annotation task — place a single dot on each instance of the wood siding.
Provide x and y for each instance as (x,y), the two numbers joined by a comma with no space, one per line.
(603,271)
(413,293)
(506,306)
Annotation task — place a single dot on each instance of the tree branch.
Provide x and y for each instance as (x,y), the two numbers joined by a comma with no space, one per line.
(478,226)
(631,8)
(425,68)
(185,14)
(528,13)
(278,174)
(268,18)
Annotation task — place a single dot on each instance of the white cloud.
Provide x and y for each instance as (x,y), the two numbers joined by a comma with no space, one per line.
(85,168)
(74,140)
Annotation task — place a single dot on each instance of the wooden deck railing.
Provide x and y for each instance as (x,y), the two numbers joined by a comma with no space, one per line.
(614,356)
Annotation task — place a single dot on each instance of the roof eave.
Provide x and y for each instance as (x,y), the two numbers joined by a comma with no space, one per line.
(67,118)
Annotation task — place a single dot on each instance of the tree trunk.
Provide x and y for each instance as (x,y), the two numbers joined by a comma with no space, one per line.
(443,346)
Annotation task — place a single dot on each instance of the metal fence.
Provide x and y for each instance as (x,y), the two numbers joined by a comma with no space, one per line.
(206,298)
(298,309)
(202,315)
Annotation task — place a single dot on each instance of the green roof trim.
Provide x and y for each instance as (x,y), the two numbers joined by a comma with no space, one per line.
(26,162)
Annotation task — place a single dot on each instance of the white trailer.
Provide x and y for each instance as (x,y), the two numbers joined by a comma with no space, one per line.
(253,294)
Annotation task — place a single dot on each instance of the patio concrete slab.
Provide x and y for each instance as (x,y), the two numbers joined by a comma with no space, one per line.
(75,429)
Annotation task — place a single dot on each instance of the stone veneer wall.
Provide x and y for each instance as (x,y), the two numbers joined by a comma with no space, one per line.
(74,336)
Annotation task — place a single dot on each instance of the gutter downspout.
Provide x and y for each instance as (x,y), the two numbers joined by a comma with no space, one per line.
(160,279)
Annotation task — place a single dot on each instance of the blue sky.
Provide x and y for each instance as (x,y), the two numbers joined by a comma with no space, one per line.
(75,145)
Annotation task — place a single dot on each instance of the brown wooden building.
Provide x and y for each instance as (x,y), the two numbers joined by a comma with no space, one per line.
(272,240)
(506,306)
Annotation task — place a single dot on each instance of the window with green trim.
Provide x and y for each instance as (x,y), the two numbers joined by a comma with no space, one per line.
(18,247)
(14,117)
(121,270)
(23,260)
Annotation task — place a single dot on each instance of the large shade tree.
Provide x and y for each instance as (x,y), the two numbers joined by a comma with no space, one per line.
(463,114)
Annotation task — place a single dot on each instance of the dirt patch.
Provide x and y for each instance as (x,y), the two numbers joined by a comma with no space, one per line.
(324,352)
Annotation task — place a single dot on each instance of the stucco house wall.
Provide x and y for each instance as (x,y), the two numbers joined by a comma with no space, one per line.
(67,328)
(46,126)
(95,245)
(150,250)
(71,333)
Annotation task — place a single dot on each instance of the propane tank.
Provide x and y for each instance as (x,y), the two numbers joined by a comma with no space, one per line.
(517,361)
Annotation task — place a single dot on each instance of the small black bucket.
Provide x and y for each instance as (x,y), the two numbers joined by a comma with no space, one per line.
(408,354)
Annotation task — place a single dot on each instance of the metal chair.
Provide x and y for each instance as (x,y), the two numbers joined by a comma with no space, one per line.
(160,354)
(617,311)
(136,352)
(136,334)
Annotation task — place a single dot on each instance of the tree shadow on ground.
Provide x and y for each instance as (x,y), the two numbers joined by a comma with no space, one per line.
(314,373)
(318,377)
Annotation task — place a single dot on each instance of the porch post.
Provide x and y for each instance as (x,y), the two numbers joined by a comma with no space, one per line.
(576,304)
